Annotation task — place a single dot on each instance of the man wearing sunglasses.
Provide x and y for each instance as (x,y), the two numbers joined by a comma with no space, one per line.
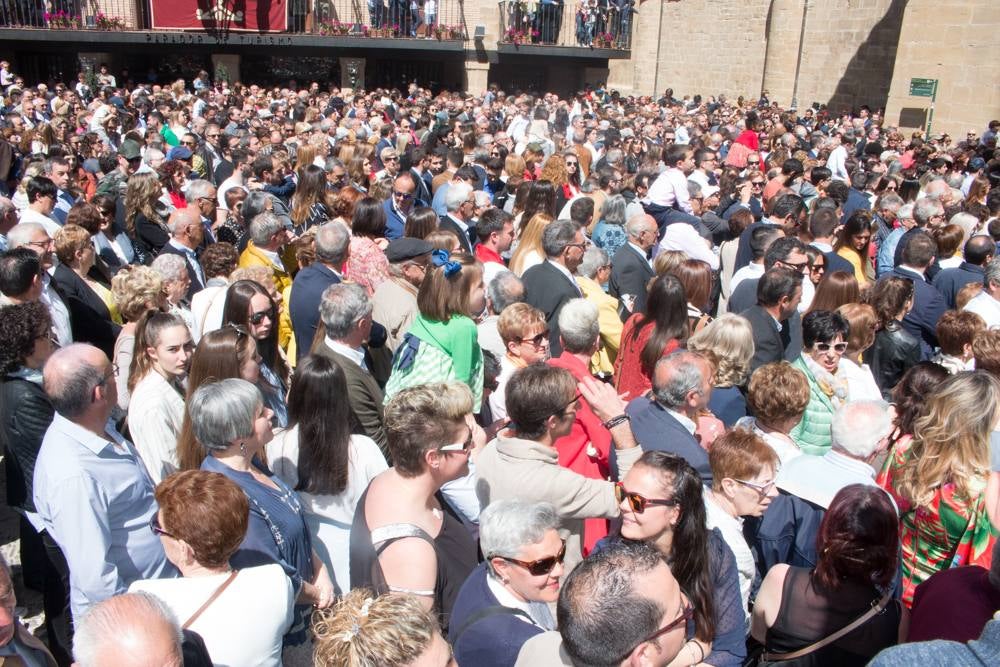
(621,606)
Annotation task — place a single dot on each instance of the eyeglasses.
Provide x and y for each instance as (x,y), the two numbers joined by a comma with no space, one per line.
(405,196)
(685,616)
(44,245)
(108,376)
(638,503)
(259,316)
(572,164)
(537,568)
(799,267)
(390,159)
(536,341)
(762,489)
(839,348)
(188,143)
(154,525)
(458,446)
(818,268)
(757,184)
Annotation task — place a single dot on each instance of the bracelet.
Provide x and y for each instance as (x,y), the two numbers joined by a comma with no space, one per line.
(615,421)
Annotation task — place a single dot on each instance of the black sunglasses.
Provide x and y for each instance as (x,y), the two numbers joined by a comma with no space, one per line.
(537,568)
(154,525)
(639,503)
(536,341)
(258,317)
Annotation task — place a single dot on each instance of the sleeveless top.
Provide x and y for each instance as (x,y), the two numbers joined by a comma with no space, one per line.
(809,613)
(455,548)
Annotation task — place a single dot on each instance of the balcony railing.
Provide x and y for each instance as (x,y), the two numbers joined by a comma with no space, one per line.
(344,18)
(580,24)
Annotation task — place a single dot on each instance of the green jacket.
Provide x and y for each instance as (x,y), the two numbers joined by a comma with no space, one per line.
(812,433)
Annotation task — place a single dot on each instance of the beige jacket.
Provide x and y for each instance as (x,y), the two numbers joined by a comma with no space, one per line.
(543,649)
(530,471)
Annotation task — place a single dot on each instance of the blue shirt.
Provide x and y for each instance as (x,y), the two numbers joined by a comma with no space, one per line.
(95,499)
(886,260)
(438,202)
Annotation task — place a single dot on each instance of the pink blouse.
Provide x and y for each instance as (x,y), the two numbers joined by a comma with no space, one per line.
(367,265)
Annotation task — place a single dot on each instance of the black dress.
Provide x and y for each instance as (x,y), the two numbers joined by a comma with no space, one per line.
(810,612)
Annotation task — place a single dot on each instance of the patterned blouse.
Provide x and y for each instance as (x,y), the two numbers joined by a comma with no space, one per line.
(367,265)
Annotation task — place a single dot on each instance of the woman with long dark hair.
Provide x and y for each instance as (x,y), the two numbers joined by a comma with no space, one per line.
(895,349)
(853,243)
(312,203)
(366,263)
(650,335)
(834,290)
(320,457)
(250,306)
(541,198)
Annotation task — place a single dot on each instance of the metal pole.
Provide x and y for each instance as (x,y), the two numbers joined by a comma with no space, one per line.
(930,117)
(798,59)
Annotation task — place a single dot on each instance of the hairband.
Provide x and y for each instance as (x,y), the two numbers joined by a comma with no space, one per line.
(442,258)
(356,626)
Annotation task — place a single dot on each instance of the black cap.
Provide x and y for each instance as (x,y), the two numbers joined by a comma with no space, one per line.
(405,248)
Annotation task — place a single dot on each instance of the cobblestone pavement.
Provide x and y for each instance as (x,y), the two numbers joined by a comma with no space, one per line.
(29,602)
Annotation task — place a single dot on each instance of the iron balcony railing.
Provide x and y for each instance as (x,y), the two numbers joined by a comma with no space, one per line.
(598,24)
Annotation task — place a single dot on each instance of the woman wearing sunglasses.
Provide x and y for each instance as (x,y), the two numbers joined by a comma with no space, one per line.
(824,341)
(662,503)
(505,601)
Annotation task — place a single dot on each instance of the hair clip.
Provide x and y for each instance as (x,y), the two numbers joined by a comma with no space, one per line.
(443,258)
(349,635)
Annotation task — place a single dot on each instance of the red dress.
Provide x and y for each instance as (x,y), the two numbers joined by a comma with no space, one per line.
(629,374)
(585,450)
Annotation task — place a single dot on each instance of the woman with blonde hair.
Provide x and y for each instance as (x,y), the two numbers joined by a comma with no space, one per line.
(938,480)
(730,340)
(145,220)
(862,322)
(135,289)
(529,249)
(554,170)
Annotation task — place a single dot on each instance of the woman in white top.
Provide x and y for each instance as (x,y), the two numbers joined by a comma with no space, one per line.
(160,363)
(778,395)
(743,472)
(863,320)
(202,520)
(321,459)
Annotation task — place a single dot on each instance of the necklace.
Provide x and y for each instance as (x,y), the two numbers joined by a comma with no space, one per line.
(438,514)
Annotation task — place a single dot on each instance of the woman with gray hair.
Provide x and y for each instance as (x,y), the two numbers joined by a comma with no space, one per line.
(609,233)
(176,282)
(231,422)
(504,602)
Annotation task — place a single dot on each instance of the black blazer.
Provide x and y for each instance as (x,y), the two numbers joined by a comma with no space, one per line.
(548,289)
(630,274)
(303,304)
(769,344)
(89,317)
(196,284)
(447,224)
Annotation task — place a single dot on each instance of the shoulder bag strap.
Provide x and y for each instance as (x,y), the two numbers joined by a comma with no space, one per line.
(209,601)
(485,612)
(829,639)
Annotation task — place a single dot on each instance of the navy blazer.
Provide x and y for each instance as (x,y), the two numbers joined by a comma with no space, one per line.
(630,274)
(769,344)
(655,429)
(951,281)
(548,289)
(835,262)
(786,533)
(196,284)
(303,304)
(493,641)
(928,307)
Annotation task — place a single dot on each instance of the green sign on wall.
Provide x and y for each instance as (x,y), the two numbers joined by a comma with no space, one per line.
(923,87)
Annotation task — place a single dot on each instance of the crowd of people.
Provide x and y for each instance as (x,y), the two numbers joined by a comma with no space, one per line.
(344,377)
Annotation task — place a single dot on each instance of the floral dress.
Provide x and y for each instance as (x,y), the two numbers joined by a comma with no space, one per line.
(367,265)
(951,531)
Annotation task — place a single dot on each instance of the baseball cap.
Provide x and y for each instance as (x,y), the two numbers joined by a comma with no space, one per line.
(179,153)
(130,149)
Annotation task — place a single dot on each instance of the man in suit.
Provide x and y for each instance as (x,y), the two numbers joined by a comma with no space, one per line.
(779,291)
(420,171)
(460,203)
(787,252)
(978,252)
(821,226)
(666,421)
(631,269)
(17,644)
(928,303)
(333,241)
(186,234)
(549,285)
(347,315)
(202,198)
(786,211)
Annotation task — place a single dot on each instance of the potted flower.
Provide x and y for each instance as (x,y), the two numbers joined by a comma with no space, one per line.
(104,22)
(61,20)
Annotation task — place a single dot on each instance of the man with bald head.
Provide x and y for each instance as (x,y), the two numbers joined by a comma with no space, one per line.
(631,267)
(978,252)
(91,489)
(186,235)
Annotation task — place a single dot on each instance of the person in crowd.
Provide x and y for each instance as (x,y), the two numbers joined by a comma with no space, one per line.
(631,265)
(202,520)
(394,304)
(609,233)
(549,285)
(761,240)
(218,260)
(862,322)
(145,217)
(135,629)
(268,239)
(92,492)
(834,290)
(777,395)
(312,204)
(591,277)
(779,292)
(785,252)
(824,341)
(523,462)
(955,332)
(251,306)
(135,289)
(651,334)
(518,580)
(405,537)
(505,290)
(928,303)
(320,457)
(986,303)
(697,281)
(443,342)
(853,245)
(332,245)
(525,336)
(366,263)
(363,628)
(176,284)
(33,236)
(92,311)
(729,339)
(187,234)
(799,607)
(895,349)
(979,251)
(495,231)
(160,365)
(743,485)
(942,470)
(232,423)
(16,641)
(20,277)
(529,251)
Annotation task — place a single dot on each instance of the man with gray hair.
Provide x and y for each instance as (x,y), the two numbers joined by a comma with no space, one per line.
(505,289)
(91,489)
(186,235)
(333,243)
(346,312)
(592,275)
(682,387)
(631,268)
(807,484)
(549,285)
(268,236)
(395,300)
(202,197)
(8,219)
(460,203)
(131,630)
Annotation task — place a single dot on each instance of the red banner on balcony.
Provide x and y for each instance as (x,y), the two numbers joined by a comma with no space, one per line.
(248,15)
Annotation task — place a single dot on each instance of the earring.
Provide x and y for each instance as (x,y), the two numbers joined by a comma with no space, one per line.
(243,448)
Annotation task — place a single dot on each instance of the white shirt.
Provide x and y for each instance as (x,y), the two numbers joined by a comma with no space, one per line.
(355,354)
(670,188)
(684,420)
(986,307)
(538,611)
(260,597)
(202,301)
(57,311)
(819,478)
(837,164)
(31,215)
(155,417)
(273,256)
(731,528)
(685,238)
(782,446)
(498,397)
(749,272)
(860,381)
